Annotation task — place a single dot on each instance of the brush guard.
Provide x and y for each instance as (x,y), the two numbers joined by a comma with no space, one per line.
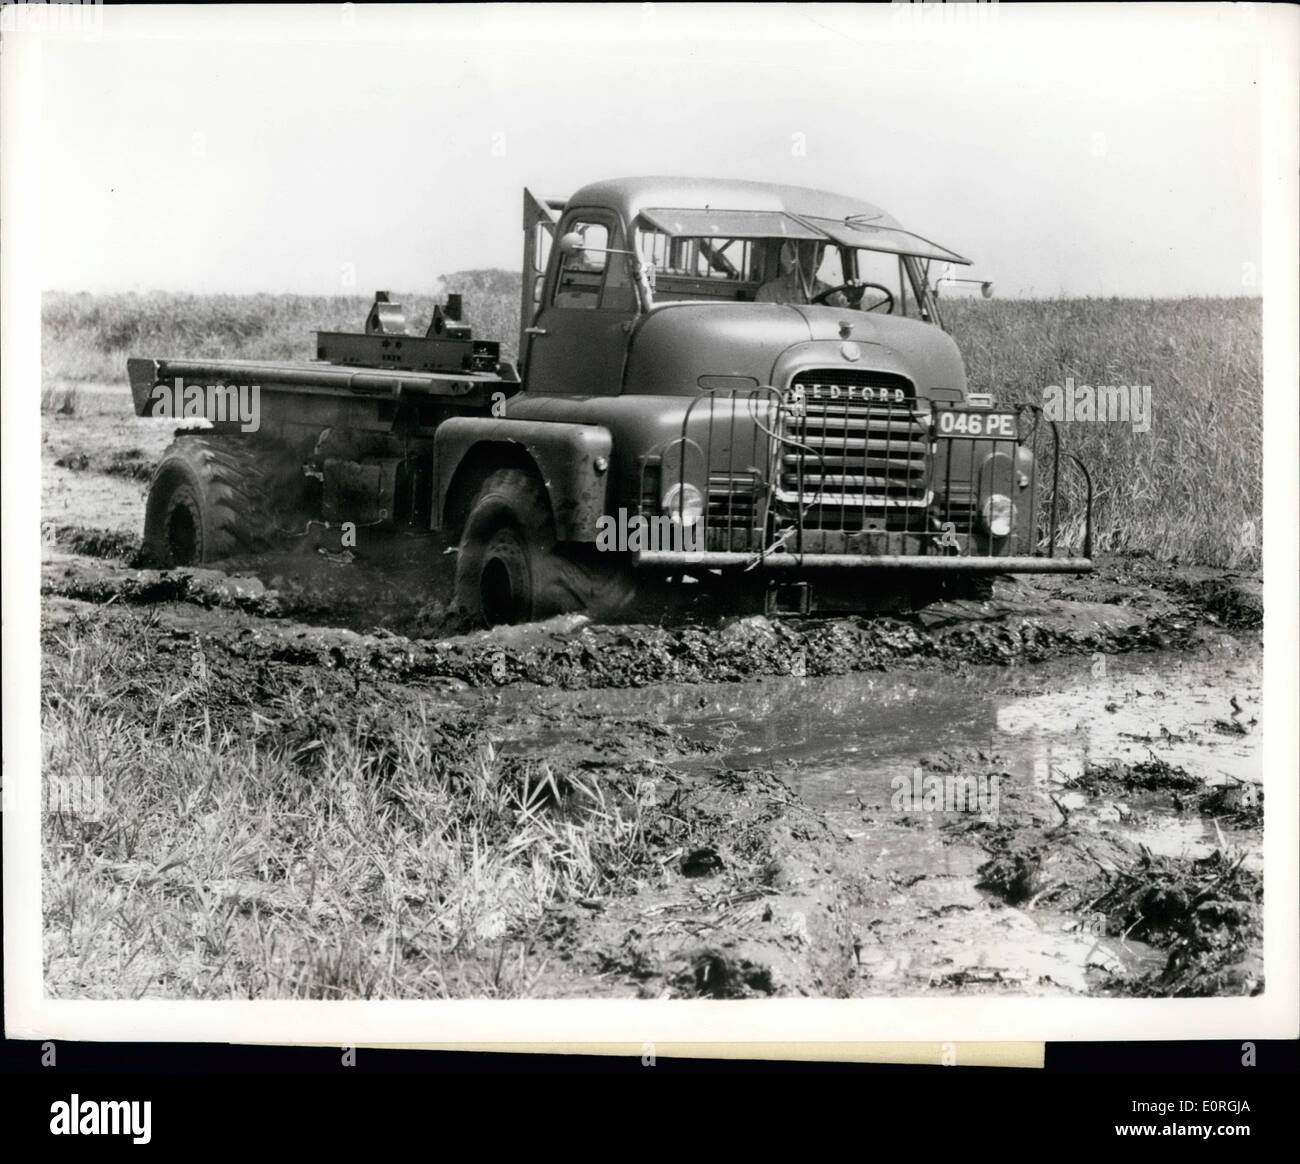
(861,485)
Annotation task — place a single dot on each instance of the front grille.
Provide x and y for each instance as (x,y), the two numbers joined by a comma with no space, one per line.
(855,462)
(734,500)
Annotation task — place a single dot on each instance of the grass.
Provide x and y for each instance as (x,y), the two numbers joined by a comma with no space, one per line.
(89,337)
(1188,490)
(271,840)
(61,400)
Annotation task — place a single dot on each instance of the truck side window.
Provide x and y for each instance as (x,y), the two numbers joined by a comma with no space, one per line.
(543,240)
(701,268)
(583,273)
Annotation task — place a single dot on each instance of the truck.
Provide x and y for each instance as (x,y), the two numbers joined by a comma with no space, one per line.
(727,387)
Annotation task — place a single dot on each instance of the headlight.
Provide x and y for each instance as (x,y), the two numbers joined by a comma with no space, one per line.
(684,504)
(999,515)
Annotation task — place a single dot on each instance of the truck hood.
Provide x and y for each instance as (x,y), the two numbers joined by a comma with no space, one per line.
(679,348)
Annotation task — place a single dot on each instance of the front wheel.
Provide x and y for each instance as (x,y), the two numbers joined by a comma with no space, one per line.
(505,550)
(509,568)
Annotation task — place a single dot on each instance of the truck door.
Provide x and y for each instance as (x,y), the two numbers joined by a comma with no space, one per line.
(578,339)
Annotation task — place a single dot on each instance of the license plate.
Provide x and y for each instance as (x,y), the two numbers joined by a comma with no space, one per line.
(964,422)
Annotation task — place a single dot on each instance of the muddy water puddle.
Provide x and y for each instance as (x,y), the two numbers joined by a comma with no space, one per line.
(849,740)
(923,915)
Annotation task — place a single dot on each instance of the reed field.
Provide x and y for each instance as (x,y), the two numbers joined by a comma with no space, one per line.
(1187,490)
(89,337)
(1191,488)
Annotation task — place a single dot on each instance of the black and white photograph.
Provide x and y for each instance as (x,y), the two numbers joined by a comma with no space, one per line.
(644,505)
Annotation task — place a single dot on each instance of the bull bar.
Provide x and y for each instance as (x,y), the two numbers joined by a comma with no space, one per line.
(851,484)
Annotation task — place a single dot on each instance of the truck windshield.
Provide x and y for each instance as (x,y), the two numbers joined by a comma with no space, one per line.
(882,271)
(776,269)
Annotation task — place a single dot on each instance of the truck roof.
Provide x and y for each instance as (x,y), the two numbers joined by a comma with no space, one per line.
(630,196)
(819,214)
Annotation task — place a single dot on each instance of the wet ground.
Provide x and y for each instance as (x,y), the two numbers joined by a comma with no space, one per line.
(852,735)
(918,913)
(1056,790)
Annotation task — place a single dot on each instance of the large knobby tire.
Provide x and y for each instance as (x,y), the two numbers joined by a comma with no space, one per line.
(509,568)
(213,497)
(955,588)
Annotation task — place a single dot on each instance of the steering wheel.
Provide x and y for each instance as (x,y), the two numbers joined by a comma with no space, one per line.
(854,293)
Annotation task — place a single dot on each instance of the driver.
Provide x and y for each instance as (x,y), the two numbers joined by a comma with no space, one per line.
(790,285)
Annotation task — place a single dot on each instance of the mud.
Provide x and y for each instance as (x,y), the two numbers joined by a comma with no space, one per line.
(117,544)
(96,464)
(785,866)
(1144,776)
(742,906)
(1030,898)
(780,864)
(130,463)
(1024,622)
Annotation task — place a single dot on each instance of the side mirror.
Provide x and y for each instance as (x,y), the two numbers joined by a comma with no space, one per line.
(571,243)
(985,286)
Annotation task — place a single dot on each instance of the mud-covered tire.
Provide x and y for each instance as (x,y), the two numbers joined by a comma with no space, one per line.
(509,568)
(213,497)
(970,588)
(505,545)
(604,585)
(957,588)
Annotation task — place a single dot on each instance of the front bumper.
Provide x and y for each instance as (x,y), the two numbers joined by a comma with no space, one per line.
(675,561)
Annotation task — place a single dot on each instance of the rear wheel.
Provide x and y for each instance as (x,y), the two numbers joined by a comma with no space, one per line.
(213,497)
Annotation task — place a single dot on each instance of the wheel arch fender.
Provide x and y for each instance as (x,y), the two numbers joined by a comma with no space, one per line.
(571,460)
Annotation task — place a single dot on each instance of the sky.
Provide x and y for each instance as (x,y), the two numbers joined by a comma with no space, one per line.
(1068,150)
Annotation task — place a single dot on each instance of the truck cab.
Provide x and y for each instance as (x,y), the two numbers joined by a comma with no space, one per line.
(637,247)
